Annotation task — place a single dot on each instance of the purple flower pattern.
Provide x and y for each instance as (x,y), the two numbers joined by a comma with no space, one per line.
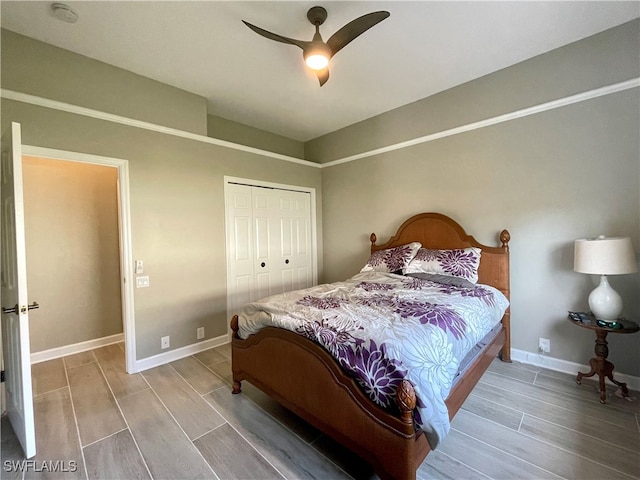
(478,292)
(374,371)
(377,301)
(372,286)
(481,293)
(321,303)
(414,283)
(441,316)
(329,336)
(427,255)
(392,259)
(458,262)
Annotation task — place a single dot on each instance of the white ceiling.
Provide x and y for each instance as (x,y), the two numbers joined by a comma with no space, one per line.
(423,48)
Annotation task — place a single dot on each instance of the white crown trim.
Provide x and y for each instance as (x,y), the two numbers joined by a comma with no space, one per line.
(543,107)
(131,122)
(525,112)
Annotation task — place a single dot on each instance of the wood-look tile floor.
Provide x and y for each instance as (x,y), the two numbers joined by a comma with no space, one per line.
(180,421)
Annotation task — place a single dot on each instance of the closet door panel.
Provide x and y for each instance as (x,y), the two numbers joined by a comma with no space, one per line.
(240,245)
(302,239)
(243,289)
(302,278)
(287,282)
(264,287)
(270,243)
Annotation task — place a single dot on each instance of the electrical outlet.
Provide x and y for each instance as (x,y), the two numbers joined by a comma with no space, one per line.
(200,333)
(544,345)
(164,342)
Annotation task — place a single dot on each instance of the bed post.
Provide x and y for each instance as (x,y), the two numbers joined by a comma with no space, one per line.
(237,386)
(505,353)
(406,401)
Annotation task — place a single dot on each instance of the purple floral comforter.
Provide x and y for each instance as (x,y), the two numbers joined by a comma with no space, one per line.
(383,327)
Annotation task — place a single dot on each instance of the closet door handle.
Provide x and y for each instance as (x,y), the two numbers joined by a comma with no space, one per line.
(263,264)
(287,261)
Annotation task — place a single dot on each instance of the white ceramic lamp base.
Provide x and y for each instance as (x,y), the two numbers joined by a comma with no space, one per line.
(605,302)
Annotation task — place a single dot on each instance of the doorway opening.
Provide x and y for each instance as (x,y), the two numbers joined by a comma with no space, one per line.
(95,257)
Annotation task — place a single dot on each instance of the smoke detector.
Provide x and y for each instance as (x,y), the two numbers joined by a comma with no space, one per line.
(64,12)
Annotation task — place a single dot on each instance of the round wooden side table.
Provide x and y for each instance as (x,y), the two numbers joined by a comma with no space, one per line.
(600,365)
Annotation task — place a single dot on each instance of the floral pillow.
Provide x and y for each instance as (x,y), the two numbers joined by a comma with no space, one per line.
(392,259)
(458,262)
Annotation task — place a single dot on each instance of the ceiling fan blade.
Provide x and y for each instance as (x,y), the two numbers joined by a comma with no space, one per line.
(278,38)
(323,75)
(354,29)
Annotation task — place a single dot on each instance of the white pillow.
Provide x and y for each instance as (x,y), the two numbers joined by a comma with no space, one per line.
(456,262)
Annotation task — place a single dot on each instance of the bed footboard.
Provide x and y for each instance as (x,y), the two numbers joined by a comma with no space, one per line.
(306,379)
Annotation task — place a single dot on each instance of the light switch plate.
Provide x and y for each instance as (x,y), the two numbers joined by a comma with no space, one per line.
(142,282)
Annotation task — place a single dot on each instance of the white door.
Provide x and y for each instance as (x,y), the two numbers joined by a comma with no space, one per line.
(240,246)
(15,309)
(292,252)
(265,238)
(269,242)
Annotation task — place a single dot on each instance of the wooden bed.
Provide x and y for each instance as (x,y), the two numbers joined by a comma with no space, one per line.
(304,377)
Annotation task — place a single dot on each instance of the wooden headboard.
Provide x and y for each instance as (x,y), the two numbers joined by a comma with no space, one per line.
(437,231)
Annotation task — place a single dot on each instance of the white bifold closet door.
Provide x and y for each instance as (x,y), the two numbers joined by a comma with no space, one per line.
(269,238)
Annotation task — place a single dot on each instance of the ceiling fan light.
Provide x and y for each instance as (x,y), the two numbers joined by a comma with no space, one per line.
(317,61)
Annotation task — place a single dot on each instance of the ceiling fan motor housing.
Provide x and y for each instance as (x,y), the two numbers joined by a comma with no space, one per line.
(317,15)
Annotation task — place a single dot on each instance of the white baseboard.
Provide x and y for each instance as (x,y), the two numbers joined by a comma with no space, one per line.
(44,355)
(567,367)
(178,353)
(140,365)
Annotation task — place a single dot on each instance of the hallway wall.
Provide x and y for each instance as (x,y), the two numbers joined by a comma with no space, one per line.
(73,262)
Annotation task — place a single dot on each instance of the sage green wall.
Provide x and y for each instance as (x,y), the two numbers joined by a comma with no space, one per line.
(176,184)
(43,70)
(177,213)
(603,59)
(224,129)
(73,268)
(549,178)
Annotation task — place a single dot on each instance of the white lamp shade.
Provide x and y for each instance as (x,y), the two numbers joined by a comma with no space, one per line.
(604,256)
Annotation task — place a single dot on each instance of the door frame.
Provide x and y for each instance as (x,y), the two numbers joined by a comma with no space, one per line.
(124,227)
(278,186)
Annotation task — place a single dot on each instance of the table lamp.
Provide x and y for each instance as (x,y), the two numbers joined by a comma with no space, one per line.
(605,256)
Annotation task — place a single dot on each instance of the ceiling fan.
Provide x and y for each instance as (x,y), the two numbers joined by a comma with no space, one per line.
(317,53)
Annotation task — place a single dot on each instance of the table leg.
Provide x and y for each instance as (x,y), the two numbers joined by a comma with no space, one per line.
(608,372)
(594,369)
(597,366)
(602,367)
